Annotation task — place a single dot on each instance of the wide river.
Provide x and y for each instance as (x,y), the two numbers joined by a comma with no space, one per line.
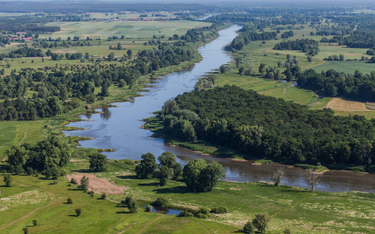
(120,128)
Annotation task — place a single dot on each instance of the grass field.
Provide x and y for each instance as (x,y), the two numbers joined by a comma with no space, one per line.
(130,29)
(347,66)
(299,209)
(13,133)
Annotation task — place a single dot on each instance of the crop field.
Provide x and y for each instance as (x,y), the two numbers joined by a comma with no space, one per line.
(130,29)
(347,66)
(338,104)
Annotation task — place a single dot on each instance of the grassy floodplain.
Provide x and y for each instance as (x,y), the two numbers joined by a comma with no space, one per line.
(130,29)
(298,209)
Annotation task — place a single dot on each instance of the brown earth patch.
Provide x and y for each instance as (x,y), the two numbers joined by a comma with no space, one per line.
(338,104)
(64,51)
(98,185)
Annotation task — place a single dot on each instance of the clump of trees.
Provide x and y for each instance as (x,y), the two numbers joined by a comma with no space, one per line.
(198,176)
(47,157)
(309,46)
(260,222)
(98,162)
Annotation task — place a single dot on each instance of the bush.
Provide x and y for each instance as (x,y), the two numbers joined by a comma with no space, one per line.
(131,204)
(261,222)
(185,213)
(91,193)
(73,181)
(148,208)
(201,216)
(219,210)
(69,201)
(8,180)
(248,228)
(78,212)
(25,230)
(103,196)
(205,211)
(161,202)
(35,222)
(287,231)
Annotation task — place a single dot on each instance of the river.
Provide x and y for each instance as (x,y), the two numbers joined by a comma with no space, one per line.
(120,128)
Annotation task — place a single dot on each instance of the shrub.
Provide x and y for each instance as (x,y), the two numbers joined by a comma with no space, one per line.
(201,216)
(84,183)
(219,210)
(91,193)
(25,230)
(69,201)
(161,202)
(35,222)
(260,222)
(131,204)
(148,208)
(103,196)
(73,181)
(287,231)
(248,228)
(205,211)
(8,180)
(78,212)
(185,213)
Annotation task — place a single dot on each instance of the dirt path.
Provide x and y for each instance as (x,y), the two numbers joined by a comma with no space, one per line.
(33,211)
(284,92)
(23,138)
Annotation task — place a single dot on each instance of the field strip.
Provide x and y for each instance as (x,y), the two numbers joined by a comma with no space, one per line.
(149,223)
(338,104)
(33,211)
(288,207)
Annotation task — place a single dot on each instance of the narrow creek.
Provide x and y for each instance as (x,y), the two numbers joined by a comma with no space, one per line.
(120,128)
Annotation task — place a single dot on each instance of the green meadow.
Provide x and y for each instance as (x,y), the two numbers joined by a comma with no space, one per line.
(130,29)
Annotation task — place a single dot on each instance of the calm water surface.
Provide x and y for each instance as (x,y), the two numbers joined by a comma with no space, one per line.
(119,128)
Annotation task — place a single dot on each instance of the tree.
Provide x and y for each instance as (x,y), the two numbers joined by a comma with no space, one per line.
(131,204)
(342,57)
(78,212)
(262,68)
(98,162)
(8,180)
(147,167)
(35,222)
(164,175)
(161,202)
(69,201)
(210,175)
(309,58)
(312,178)
(248,228)
(103,196)
(222,69)
(111,56)
(191,173)
(238,60)
(84,183)
(278,176)
(121,83)
(261,221)
(168,159)
(25,230)
(129,53)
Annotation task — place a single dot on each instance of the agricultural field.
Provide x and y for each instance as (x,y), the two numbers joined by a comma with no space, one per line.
(130,29)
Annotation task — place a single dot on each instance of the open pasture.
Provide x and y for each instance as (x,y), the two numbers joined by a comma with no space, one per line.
(130,29)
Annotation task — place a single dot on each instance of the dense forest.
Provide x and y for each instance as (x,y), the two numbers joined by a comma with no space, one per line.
(309,46)
(266,127)
(332,83)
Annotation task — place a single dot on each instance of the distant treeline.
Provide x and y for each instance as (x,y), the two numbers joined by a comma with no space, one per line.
(308,46)
(248,34)
(266,127)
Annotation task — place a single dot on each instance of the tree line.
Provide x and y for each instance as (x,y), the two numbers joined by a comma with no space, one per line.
(266,127)
(309,46)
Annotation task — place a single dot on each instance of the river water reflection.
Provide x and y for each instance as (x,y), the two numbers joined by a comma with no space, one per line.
(119,128)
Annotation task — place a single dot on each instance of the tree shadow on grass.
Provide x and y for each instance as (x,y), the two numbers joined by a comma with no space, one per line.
(178,189)
(73,216)
(133,177)
(150,184)
(124,212)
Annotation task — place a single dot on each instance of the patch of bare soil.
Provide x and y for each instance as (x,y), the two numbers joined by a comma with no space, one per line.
(98,185)
(338,104)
